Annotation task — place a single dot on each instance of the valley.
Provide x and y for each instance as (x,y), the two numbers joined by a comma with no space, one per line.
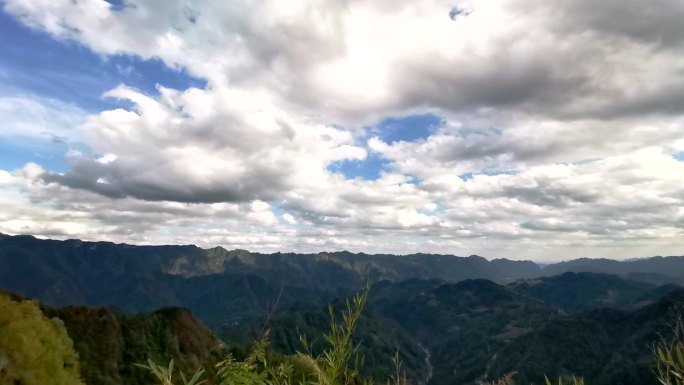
(452,319)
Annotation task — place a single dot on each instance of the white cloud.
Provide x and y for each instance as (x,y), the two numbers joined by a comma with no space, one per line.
(5,177)
(462,146)
(565,114)
(352,59)
(289,218)
(205,146)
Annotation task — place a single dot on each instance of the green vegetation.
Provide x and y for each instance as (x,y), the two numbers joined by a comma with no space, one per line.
(109,344)
(338,364)
(582,291)
(376,338)
(465,324)
(607,346)
(506,379)
(34,350)
(573,381)
(509,379)
(165,375)
(669,366)
(597,326)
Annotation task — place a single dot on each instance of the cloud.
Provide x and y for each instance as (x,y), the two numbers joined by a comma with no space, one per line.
(605,207)
(656,22)
(289,218)
(462,146)
(204,146)
(35,117)
(5,177)
(558,122)
(351,60)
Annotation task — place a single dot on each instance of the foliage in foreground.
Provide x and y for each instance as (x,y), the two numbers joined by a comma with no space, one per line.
(669,366)
(509,379)
(37,350)
(339,364)
(34,350)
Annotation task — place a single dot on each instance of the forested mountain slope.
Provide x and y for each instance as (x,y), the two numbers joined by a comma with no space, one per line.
(453,319)
(108,344)
(605,345)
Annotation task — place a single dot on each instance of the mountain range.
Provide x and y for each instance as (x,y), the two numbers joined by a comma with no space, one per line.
(453,320)
(144,278)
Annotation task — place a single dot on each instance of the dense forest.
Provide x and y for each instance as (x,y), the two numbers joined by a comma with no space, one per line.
(474,321)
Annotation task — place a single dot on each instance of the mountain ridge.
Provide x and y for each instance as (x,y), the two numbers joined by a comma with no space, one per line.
(542,264)
(461,312)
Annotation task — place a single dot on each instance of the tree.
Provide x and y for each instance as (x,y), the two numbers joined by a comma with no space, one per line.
(34,350)
(336,365)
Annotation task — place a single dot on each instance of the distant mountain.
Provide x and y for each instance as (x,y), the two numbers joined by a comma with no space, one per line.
(453,319)
(387,295)
(345,269)
(95,273)
(144,278)
(656,270)
(607,346)
(580,291)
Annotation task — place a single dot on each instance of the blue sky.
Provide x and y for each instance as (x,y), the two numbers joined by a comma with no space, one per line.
(409,128)
(16,153)
(37,63)
(424,127)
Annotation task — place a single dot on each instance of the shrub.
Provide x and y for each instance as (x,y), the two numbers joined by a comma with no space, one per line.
(34,350)
(669,367)
(338,364)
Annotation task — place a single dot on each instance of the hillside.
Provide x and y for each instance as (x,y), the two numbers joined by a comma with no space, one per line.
(377,337)
(471,330)
(465,324)
(608,346)
(458,316)
(579,291)
(109,344)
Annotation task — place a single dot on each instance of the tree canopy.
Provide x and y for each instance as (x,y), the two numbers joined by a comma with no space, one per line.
(34,350)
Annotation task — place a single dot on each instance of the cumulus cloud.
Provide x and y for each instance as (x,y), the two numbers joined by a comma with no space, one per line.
(559,126)
(352,58)
(289,218)
(204,146)
(5,177)
(465,146)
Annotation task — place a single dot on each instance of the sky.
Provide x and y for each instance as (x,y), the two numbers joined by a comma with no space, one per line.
(524,129)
